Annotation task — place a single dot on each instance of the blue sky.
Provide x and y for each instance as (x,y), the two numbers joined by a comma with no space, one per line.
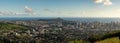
(59,8)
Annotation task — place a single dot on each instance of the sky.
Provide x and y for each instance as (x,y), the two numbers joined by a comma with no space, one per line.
(59,8)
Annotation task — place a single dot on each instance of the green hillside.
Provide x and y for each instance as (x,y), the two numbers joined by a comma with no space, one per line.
(110,40)
(8,26)
(79,41)
(110,37)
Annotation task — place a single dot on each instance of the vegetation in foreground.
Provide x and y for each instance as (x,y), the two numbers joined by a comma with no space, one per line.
(112,37)
(110,40)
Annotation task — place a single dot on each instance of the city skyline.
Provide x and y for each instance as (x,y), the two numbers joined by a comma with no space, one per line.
(59,8)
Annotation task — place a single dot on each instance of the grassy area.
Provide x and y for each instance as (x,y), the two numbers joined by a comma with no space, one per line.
(110,40)
(78,41)
(96,37)
(7,26)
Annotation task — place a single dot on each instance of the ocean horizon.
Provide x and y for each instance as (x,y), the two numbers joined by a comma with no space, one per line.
(81,19)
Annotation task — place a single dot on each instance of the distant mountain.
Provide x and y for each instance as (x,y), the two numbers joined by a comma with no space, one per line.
(55,19)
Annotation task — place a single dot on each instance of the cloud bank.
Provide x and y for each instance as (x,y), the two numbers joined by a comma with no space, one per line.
(26,9)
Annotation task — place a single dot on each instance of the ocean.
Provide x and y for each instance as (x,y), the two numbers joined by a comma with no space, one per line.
(69,19)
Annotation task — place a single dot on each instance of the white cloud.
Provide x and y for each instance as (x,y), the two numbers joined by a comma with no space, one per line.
(28,10)
(104,2)
(98,1)
(107,2)
(18,13)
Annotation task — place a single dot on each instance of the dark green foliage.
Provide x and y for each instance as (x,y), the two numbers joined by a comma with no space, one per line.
(95,37)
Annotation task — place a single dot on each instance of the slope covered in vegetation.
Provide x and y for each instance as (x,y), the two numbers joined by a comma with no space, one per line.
(110,40)
(8,26)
